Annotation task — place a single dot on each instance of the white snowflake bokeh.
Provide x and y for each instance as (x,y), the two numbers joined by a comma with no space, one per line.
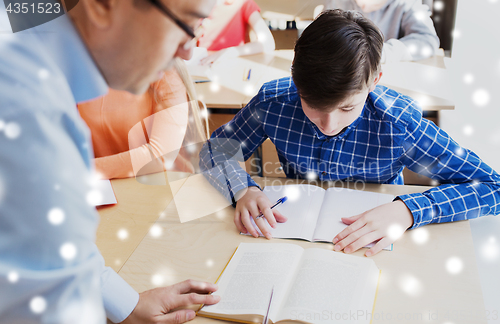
(94,197)
(43,74)
(311,175)
(12,130)
(454,265)
(214,87)
(420,235)
(38,304)
(292,193)
(13,277)
(395,231)
(438,5)
(481,97)
(468,78)
(68,251)
(122,234)
(56,216)
(156,231)
(490,250)
(157,280)
(410,285)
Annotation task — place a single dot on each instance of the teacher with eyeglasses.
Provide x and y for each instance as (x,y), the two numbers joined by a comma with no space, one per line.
(50,268)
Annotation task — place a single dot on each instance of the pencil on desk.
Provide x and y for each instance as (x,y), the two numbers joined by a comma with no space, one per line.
(246,74)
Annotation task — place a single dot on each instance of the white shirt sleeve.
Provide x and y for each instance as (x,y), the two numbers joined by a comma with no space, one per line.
(118,297)
(50,268)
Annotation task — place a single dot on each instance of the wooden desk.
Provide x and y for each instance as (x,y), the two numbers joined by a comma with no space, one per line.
(133,215)
(415,286)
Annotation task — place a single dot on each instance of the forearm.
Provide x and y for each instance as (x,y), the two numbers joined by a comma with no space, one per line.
(395,51)
(223,171)
(419,34)
(250,48)
(265,40)
(230,145)
(470,188)
(128,164)
(453,202)
(421,46)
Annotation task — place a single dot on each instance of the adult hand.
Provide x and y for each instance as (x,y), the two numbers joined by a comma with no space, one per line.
(385,224)
(211,58)
(252,204)
(156,305)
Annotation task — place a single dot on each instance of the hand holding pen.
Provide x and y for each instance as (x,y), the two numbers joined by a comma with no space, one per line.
(251,205)
(278,202)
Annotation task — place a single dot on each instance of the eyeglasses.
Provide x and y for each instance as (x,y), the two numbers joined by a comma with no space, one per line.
(158,4)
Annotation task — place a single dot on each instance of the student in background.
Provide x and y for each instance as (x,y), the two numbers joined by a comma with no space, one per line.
(408,30)
(117,134)
(331,121)
(226,31)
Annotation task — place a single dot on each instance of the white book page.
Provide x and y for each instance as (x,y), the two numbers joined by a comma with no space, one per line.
(341,202)
(107,195)
(328,285)
(301,208)
(367,300)
(245,286)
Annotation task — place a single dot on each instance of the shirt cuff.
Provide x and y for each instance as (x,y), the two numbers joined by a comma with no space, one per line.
(118,297)
(420,207)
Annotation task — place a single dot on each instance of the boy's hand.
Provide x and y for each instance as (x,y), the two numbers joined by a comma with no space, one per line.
(385,223)
(252,204)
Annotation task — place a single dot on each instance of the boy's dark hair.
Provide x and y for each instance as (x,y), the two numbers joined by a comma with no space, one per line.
(336,56)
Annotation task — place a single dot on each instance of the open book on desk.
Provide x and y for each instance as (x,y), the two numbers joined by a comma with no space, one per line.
(314,214)
(200,73)
(310,285)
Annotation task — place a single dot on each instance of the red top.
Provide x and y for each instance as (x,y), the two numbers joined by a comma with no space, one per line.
(233,27)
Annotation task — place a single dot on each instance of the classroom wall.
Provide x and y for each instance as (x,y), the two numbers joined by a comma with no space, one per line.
(475,123)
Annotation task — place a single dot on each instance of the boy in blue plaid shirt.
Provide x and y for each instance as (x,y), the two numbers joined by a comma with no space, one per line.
(332,121)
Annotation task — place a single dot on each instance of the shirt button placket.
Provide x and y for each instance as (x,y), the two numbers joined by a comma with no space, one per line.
(326,158)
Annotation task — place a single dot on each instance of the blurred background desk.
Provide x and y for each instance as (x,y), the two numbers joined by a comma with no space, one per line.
(416,285)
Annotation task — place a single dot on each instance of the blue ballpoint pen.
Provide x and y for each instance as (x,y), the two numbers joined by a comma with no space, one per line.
(279,202)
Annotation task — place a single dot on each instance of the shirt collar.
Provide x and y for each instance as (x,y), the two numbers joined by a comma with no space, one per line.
(68,49)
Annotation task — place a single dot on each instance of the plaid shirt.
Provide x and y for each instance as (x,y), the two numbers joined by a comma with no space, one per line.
(390,134)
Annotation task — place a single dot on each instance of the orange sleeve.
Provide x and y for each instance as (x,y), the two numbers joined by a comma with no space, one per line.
(170,91)
(118,166)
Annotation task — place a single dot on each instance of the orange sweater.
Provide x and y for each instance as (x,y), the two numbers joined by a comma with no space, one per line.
(120,145)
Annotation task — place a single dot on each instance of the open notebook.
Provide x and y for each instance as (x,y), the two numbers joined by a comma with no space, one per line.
(314,214)
(310,285)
